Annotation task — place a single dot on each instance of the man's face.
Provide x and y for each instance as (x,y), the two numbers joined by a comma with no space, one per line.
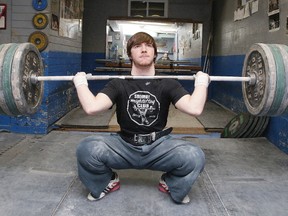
(143,54)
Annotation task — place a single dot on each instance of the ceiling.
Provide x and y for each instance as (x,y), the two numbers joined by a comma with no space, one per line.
(129,27)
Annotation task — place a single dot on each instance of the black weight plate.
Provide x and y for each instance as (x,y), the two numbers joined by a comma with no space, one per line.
(251,132)
(3,104)
(251,128)
(237,126)
(39,5)
(39,39)
(250,121)
(40,21)
(27,61)
(258,126)
(264,126)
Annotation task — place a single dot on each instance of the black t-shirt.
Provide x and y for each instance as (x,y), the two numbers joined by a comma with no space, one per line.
(142,105)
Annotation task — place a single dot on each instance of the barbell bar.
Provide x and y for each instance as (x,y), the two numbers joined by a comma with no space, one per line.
(264,79)
(34,79)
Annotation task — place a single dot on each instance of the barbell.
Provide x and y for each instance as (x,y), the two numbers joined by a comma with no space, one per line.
(264,79)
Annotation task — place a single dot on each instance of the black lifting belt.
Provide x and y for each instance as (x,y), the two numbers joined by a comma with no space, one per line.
(145,139)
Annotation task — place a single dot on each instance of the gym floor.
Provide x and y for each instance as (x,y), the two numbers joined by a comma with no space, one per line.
(38,176)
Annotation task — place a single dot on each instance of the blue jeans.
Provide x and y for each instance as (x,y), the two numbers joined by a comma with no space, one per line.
(182,161)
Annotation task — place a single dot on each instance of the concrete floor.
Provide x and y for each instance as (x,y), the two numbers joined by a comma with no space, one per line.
(38,176)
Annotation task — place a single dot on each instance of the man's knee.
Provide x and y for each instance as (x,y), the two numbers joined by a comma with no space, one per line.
(191,156)
(90,149)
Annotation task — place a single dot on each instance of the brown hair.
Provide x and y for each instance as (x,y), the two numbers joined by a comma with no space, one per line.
(138,38)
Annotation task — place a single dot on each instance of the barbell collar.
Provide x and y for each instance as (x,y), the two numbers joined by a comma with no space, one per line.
(34,79)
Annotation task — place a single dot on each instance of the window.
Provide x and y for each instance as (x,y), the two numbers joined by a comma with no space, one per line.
(149,8)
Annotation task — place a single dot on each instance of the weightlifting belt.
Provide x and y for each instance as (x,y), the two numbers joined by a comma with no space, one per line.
(144,139)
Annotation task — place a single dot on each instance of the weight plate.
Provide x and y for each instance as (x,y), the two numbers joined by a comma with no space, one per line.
(6,79)
(258,127)
(259,62)
(3,103)
(27,96)
(39,5)
(283,109)
(264,126)
(237,126)
(280,80)
(251,128)
(254,128)
(250,120)
(39,39)
(1,46)
(40,21)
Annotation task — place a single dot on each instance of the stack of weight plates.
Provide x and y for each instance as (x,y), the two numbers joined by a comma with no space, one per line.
(18,95)
(245,125)
(268,63)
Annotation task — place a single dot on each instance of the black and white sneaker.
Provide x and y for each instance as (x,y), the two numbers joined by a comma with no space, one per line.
(113,185)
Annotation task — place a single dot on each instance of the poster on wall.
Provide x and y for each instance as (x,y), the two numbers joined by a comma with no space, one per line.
(3,9)
(274,15)
(55,10)
(273,6)
(274,22)
(245,8)
(70,19)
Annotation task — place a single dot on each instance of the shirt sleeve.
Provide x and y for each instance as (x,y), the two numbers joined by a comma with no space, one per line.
(176,90)
(110,90)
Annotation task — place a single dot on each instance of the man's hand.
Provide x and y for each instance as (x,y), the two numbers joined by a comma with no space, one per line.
(80,79)
(194,104)
(202,79)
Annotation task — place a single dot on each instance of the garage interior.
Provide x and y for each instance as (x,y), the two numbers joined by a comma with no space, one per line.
(246,163)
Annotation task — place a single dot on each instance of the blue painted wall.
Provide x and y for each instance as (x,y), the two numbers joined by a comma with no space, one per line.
(277,132)
(229,94)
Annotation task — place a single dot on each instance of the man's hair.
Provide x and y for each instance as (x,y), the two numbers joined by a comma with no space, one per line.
(138,38)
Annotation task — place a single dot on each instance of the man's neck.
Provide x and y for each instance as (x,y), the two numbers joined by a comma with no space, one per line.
(143,70)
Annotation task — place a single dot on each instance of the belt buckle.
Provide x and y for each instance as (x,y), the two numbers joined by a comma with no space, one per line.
(143,139)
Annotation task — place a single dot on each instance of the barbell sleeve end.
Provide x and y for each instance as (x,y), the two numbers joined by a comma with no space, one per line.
(253,79)
(33,79)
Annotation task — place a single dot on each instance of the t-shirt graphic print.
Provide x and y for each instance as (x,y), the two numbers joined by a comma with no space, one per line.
(143,108)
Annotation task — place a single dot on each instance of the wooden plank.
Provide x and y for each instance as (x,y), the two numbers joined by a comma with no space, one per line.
(78,118)
(181,123)
(213,119)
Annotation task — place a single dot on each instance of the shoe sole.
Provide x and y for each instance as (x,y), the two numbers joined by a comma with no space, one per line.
(91,198)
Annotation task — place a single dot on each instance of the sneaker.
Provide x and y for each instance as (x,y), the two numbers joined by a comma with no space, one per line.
(113,185)
(163,187)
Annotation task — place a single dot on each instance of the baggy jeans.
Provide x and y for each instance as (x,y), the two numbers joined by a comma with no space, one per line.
(97,155)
